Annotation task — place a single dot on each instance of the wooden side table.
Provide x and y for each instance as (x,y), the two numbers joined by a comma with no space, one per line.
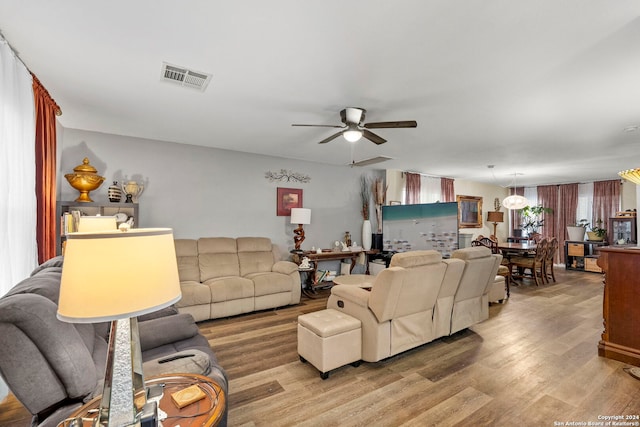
(206,412)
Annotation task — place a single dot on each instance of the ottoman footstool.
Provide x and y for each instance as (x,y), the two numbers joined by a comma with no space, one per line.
(329,339)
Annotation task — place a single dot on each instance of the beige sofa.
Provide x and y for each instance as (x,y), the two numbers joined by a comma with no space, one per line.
(418,299)
(222,276)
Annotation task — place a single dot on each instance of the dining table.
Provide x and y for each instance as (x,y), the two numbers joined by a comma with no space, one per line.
(520,248)
(513,249)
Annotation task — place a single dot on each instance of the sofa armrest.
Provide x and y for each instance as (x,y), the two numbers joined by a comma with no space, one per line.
(166,330)
(284,267)
(167,311)
(354,294)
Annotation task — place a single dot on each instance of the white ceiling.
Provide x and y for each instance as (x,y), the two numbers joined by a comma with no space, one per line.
(540,88)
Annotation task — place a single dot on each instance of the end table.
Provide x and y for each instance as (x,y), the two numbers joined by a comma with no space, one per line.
(206,412)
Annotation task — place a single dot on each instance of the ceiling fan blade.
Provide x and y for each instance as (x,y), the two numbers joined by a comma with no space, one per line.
(321,126)
(331,138)
(384,125)
(373,137)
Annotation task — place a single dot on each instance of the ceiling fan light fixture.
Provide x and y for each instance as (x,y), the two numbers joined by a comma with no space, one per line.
(352,135)
(515,202)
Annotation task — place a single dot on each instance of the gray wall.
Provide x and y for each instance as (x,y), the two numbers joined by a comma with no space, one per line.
(205,192)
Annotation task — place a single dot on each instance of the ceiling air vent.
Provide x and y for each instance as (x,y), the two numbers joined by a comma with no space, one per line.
(371,161)
(185,77)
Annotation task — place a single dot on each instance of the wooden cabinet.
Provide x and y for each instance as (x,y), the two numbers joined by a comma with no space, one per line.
(67,218)
(622,230)
(582,255)
(620,309)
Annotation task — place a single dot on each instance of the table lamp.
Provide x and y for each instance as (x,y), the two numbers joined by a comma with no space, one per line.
(495,217)
(299,216)
(96,223)
(116,276)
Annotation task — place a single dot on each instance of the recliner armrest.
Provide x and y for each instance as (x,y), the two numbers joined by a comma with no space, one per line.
(284,267)
(166,330)
(354,294)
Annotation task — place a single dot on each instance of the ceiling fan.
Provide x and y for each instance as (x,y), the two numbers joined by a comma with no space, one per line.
(354,127)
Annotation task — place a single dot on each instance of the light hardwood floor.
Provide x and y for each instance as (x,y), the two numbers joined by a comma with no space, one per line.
(534,362)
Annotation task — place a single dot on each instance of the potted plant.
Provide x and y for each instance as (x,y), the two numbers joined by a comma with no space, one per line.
(596,232)
(576,231)
(532,218)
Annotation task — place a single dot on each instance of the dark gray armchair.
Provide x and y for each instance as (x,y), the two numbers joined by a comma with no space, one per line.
(54,367)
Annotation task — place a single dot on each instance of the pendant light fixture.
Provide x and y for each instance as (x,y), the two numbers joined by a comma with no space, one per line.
(515,201)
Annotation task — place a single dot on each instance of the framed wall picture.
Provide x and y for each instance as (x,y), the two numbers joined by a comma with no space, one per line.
(469,211)
(288,198)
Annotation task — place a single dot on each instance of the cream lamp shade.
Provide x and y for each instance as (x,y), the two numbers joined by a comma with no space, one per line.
(96,223)
(515,202)
(114,275)
(300,216)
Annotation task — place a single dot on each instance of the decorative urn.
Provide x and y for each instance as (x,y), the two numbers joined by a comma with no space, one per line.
(84,178)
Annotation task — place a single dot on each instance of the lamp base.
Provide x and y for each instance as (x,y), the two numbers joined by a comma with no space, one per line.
(123,378)
(298,237)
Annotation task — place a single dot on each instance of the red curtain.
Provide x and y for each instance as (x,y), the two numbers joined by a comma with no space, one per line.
(606,201)
(447,193)
(548,197)
(46,111)
(412,188)
(566,214)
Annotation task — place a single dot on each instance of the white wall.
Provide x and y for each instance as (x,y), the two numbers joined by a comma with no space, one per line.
(206,192)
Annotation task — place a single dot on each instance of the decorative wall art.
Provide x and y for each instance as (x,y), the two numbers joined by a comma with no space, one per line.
(287,176)
(288,198)
(469,211)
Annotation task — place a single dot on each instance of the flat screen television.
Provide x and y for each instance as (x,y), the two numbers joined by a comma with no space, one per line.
(419,227)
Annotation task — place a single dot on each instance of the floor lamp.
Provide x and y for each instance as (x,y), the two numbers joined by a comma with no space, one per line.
(300,216)
(116,276)
(495,217)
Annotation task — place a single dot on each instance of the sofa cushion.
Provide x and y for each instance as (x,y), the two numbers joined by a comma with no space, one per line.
(187,361)
(45,283)
(230,288)
(217,257)
(270,283)
(194,293)
(165,330)
(471,253)
(55,262)
(255,255)
(415,258)
(187,256)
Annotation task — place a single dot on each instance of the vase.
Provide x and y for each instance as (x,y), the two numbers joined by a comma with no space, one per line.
(366,235)
(576,233)
(114,192)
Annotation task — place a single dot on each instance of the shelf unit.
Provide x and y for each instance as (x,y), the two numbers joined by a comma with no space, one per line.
(582,255)
(623,229)
(90,208)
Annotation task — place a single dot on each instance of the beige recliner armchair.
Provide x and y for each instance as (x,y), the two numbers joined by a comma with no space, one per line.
(397,314)
(471,301)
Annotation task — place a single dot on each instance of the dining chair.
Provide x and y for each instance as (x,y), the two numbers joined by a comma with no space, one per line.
(504,269)
(534,264)
(552,249)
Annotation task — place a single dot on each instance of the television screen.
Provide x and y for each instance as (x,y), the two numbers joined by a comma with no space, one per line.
(419,227)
